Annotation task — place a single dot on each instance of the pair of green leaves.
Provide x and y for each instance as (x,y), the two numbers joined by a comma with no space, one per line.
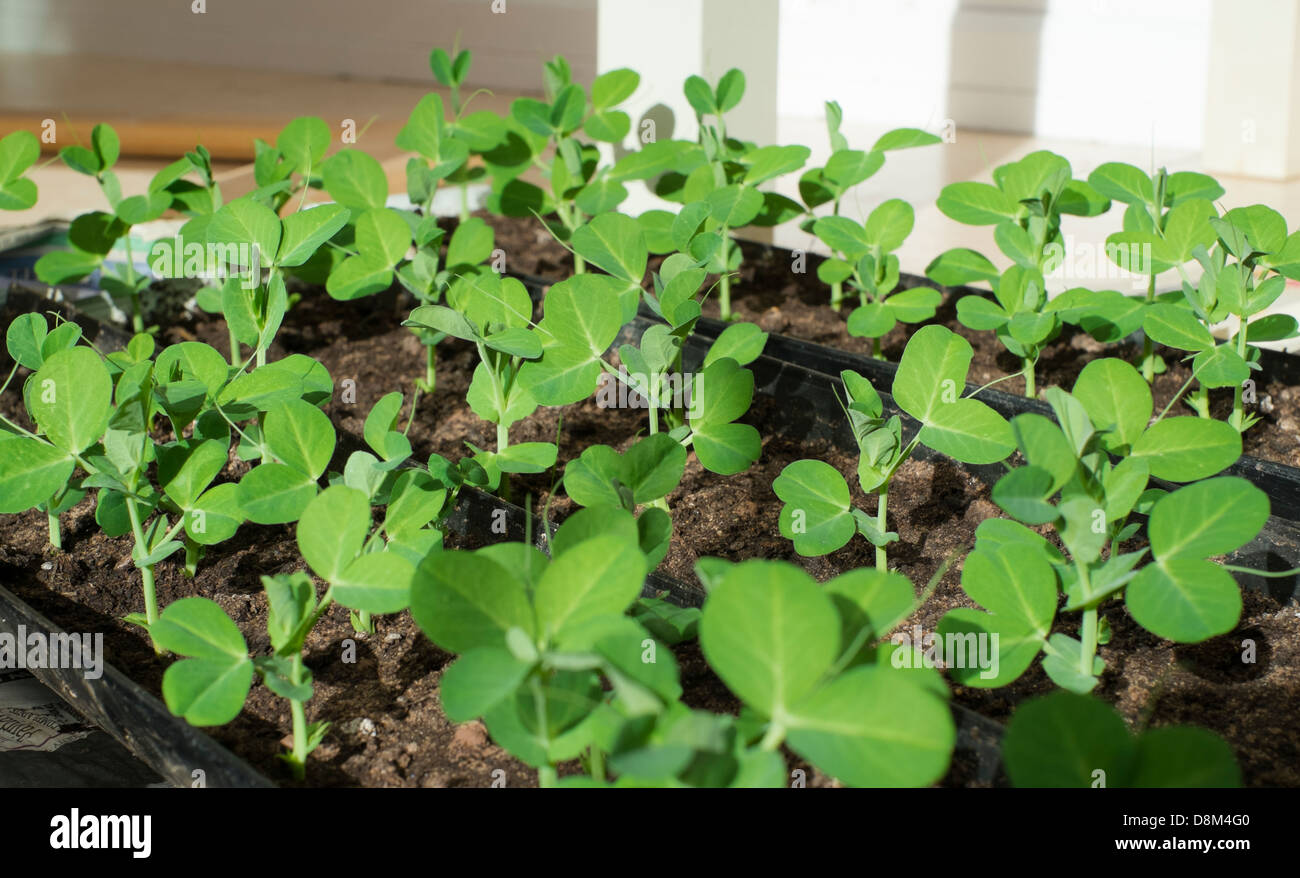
(1069,740)
(801,656)
(846,168)
(334,536)
(210,682)
(298,439)
(648,471)
(535,636)
(818,514)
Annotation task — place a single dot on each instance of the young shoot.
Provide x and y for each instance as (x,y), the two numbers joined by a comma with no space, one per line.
(819,515)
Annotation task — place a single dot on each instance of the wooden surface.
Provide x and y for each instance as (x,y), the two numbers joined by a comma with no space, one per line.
(162,110)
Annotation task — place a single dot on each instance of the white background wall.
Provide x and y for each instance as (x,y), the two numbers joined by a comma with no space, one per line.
(1122,71)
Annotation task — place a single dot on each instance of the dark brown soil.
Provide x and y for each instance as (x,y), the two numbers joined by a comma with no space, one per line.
(772,294)
(935,507)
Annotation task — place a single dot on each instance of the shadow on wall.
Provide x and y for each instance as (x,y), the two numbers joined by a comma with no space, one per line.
(657,122)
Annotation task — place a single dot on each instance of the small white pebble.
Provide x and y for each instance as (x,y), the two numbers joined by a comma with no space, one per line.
(392,635)
(366,727)
(48,565)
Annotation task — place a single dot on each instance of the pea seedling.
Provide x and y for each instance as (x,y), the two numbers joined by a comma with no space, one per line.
(92,236)
(494,314)
(536,637)
(95,415)
(864,258)
(717,183)
(805,660)
(1256,240)
(579,186)
(1165,221)
(210,683)
(819,515)
(844,170)
(1177,594)
(1025,204)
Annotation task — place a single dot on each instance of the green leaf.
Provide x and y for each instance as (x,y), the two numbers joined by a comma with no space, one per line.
(24,339)
(300,435)
(1213,517)
(734,206)
(471,243)
(905,138)
(306,230)
(1187,449)
(598,576)
(731,88)
(355,179)
(612,88)
(1185,600)
(816,514)
(650,469)
(969,431)
(614,243)
(19,150)
(139,209)
(18,194)
(70,398)
(303,143)
(1176,327)
(1045,446)
(874,727)
(66,266)
(1063,739)
(246,223)
(1116,398)
(1184,756)
(847,168)
(1186,228)
(770,633)
(377,582)
(209,686)
(843,235)
(478,681)
(1123,182)
(960,266)
(106,144)
(768,162)
(273,493)
(30,473)
(382,236)
(465,600)
(976,204)
(187,468)
(332,529)
(890,224)
(1023,493)
(216,515)
(742,342)
(934,365)
(1220,366)
(1263,226)
(1016,244)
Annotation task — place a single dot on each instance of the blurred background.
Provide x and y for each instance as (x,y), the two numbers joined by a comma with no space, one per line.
(1208,85)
